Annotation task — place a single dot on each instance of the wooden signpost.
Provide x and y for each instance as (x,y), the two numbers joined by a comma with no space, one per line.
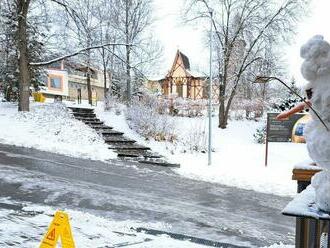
(279,131)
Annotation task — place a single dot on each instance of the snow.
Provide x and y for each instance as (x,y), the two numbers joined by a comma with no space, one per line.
(30,223)
(237,160)
(307,165)
(280,246)
(304,205)
(50,127)
(317,58)
(316,70)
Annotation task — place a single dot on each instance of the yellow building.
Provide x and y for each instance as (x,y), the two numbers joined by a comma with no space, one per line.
(69,81)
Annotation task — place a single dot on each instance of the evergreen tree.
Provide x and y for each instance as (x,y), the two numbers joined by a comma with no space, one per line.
(290,99)
(9,53)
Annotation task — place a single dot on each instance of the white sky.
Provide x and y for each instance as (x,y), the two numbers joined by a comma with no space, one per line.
(174,34)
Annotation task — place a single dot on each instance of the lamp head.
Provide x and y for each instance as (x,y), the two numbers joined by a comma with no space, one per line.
(261,80)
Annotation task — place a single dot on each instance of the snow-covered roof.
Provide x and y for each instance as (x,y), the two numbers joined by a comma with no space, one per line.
(196,74)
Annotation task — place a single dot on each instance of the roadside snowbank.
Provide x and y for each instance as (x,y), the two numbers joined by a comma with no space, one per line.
(237,160)
(50,127)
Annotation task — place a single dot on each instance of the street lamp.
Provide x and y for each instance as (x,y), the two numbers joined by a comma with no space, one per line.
(265,79)
(210,92)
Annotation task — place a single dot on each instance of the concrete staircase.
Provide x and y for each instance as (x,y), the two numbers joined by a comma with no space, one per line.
(126,148)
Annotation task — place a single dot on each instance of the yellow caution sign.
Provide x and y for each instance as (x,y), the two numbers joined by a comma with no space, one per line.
(59,228)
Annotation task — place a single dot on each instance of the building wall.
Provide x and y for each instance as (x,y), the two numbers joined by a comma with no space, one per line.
(67,85)
(56,83)
(73,91)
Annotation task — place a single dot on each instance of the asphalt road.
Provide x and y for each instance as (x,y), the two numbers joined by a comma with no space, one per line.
(127,191)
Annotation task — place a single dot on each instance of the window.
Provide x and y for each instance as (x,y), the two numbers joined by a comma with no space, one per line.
(55,82)
(179,90)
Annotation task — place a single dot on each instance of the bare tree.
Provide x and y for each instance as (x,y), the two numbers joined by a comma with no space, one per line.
(134,17)
(243,28)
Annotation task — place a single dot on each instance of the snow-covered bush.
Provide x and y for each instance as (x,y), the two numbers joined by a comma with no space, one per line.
(248,109)
(188,107)
(111,103)
(195,140)
(143,116)
(260,135)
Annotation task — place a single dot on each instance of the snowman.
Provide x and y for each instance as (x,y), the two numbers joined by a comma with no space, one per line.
(316,69)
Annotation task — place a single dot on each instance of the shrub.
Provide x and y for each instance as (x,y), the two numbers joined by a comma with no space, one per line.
(195,139)
(143,117)
(260,135)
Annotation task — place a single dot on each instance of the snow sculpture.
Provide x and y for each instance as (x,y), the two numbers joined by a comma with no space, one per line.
(316,69)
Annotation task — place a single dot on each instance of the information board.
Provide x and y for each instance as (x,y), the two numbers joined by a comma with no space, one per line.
(280,131)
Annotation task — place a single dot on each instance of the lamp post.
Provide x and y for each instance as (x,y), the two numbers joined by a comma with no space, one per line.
(265,79)
(210,92)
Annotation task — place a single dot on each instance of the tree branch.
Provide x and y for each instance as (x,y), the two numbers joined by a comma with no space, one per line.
(76,53)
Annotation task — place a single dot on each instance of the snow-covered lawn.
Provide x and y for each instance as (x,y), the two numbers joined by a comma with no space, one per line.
(236,161)
(50,127)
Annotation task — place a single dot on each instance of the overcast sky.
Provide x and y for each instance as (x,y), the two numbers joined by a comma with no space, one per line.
(174,34)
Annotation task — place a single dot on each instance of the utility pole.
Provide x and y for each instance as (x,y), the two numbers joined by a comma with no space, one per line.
(210,92)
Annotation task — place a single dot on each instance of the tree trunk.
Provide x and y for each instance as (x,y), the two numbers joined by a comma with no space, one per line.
(23,60)
(128,69)
(104,73)
(89,86)
(128,75)
(222,107)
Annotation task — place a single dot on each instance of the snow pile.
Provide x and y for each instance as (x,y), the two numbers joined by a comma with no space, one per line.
(50,127)
(316,69)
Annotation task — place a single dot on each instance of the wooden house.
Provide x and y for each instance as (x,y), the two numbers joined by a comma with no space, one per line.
(183,82)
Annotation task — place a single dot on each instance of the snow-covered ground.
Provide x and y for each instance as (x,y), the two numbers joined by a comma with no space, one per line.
(50,127)
(23,225)
(236,161)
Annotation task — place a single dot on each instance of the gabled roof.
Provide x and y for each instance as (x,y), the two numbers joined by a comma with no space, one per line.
(185,60)
(183,64)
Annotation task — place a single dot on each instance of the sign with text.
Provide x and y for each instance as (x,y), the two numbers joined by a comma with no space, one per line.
(281,131)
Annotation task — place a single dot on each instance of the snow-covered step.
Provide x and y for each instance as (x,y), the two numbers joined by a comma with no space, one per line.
(109,133)
(129,147)
(94,123)
(81,110)
(159,162)
(85,115)
(100,127)
(137,154)
(87,119)
(118,139)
